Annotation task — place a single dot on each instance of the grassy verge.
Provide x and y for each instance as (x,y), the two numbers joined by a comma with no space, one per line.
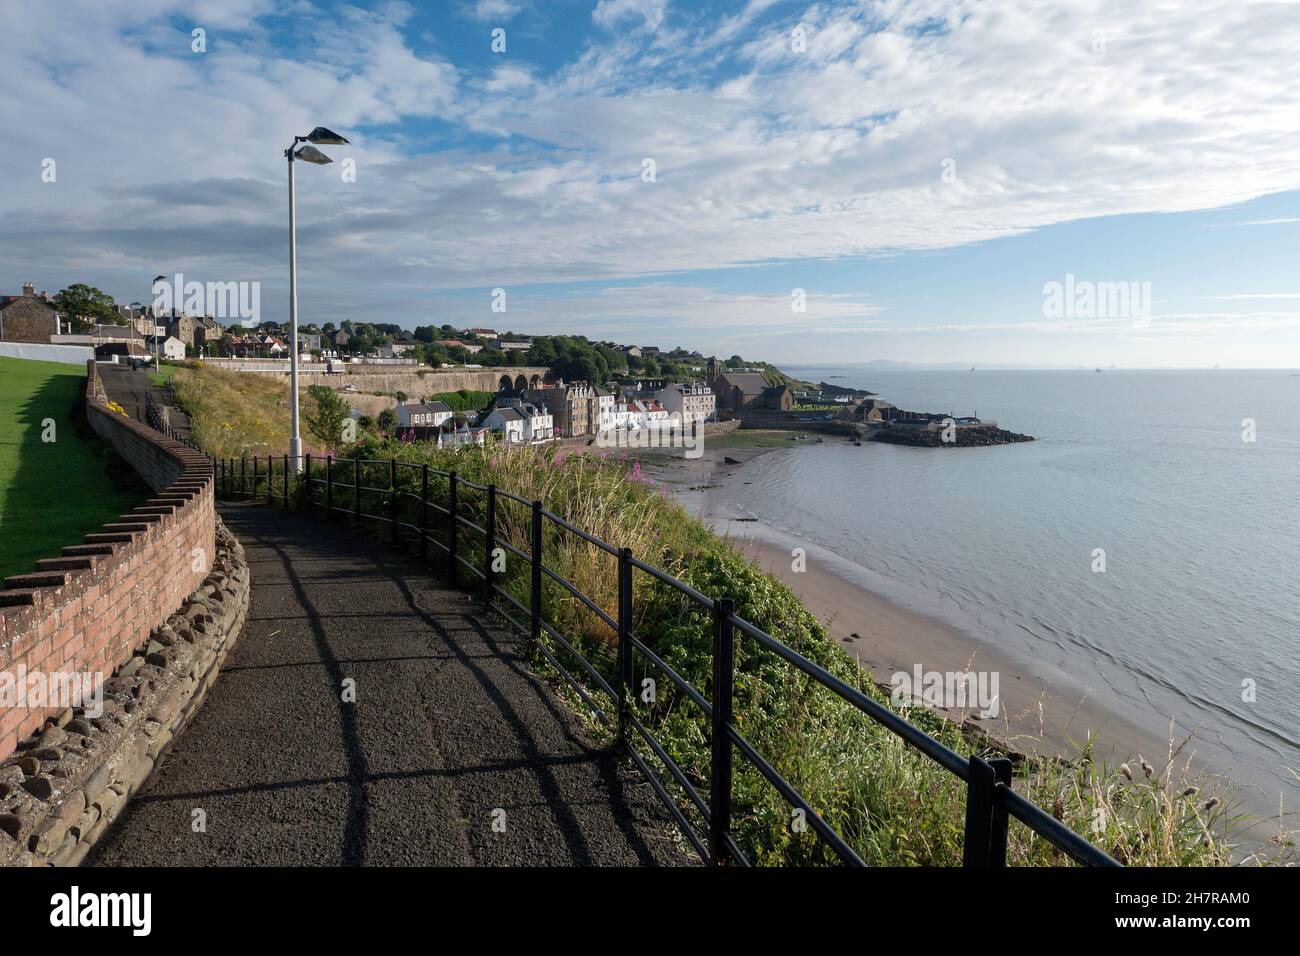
(52,492)
(163,375)
(892,805)
(237,413)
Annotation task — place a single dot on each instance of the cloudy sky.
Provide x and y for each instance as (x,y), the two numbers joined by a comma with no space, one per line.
(921,170)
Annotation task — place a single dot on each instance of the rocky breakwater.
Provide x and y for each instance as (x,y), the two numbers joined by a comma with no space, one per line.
(962,436)
(67,783)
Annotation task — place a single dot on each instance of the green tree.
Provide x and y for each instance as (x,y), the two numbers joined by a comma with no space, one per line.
(326,423)
(85,305)
(387,421)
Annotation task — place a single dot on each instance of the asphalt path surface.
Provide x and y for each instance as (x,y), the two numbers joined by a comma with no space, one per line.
(453,752)
(128,388)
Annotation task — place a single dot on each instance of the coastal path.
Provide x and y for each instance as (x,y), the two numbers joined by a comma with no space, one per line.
(370,714)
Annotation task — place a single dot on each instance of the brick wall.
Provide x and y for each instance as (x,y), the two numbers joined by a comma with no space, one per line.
(90,608)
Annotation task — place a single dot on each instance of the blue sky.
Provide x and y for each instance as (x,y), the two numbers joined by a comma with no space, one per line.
(920,170)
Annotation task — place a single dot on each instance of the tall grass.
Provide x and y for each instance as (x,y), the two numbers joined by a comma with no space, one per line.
(893,805)
(239,413)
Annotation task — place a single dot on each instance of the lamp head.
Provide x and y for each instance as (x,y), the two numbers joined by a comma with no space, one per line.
(310,154)
(325,137)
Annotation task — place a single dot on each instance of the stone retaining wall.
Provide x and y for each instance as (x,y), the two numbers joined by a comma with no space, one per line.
(67,784)
(90,609)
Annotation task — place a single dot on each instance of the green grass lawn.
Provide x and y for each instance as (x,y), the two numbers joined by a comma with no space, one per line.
(51,493)
(163,375)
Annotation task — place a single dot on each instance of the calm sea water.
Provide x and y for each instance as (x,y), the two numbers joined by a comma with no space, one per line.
(1201,532)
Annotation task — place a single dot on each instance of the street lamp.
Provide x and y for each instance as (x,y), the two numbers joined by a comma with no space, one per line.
(153,314)
(308,154)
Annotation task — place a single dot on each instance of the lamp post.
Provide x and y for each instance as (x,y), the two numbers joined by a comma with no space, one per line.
(308,154)
(153,314)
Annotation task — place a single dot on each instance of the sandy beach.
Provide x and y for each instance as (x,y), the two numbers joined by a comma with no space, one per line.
(884,636)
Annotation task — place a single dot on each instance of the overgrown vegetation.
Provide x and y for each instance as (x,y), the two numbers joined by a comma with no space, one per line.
(233,414)
(894,806)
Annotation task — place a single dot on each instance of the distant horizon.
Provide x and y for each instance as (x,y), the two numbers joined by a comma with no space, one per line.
(893,365)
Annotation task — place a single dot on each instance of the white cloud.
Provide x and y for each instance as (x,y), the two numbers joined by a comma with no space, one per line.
(613,13)
(761,153)
(495,10)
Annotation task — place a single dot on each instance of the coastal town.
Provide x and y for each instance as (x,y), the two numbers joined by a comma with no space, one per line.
(534,389)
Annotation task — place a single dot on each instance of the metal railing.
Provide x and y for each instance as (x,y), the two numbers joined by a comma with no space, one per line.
(404,500)
(154,418)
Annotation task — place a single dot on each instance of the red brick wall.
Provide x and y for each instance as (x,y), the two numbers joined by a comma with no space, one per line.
(90,608)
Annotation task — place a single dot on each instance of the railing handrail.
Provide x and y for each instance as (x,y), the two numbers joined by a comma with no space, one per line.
(990,801)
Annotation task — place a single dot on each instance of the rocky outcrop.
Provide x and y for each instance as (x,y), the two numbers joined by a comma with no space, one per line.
(966,436)
(68,782)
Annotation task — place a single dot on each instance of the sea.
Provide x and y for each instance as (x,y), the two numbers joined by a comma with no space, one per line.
(1144,550)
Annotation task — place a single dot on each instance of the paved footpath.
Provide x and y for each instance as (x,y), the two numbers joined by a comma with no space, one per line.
(448,727)
(128,386)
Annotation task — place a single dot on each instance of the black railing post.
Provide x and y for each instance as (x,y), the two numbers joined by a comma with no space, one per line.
(306,474)
(724,665)
(986,821)
(270,479)
(392,499)
(452,521)
(424,511)
(490,542)
(243,475)
(252,491)
(535,583)
(625,676)
(286,482)
(356,490)
(329,487)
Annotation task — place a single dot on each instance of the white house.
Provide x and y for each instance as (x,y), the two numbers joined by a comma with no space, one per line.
(463,436)
(170,348)
(647,411)
(423,414)
(604,409)
(620,417)
(540,426)
(510,422)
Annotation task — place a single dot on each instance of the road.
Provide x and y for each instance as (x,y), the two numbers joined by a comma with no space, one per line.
(452,754)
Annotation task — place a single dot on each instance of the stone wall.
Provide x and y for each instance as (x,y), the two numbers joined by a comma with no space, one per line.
(414,380)
(62,791)
(28,319)
(88,610)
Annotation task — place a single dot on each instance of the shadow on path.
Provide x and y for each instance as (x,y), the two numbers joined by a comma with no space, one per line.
(449,732)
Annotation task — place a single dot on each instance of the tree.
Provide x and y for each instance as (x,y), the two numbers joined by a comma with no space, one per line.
(326,424)
(85,305)
(387,421)
(401,396)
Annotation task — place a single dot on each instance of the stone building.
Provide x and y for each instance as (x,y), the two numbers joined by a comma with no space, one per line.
(27,317)
(690,402)
(574,407)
